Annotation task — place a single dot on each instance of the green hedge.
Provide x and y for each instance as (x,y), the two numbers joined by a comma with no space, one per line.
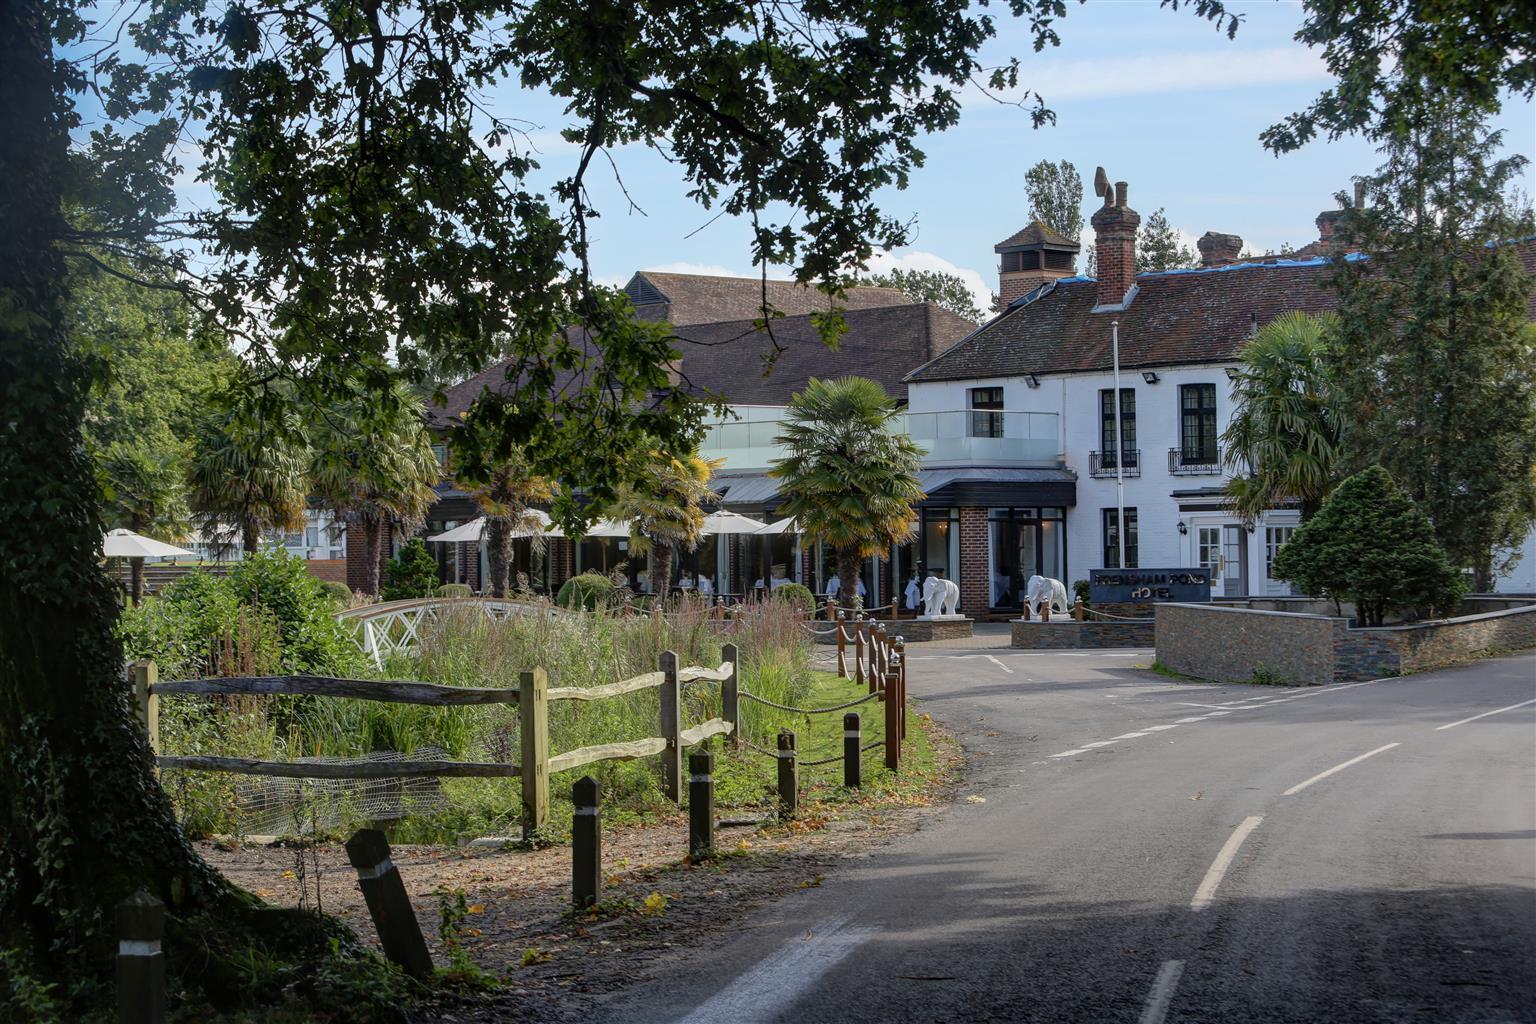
(589,591)
(796,594)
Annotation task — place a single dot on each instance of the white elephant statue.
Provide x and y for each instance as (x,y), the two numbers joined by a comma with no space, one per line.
(1043,589)
(940,597)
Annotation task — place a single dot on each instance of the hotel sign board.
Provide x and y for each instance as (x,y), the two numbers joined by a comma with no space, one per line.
(1126,586)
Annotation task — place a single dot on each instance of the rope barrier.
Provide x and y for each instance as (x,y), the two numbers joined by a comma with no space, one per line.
(838,758)
(819,632)
(814,711)
(1118,618)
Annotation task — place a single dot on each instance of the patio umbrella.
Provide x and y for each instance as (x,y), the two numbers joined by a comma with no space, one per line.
(136,548)
(470,532)
(725,521)
(127,544)
(609,528)
(785,525)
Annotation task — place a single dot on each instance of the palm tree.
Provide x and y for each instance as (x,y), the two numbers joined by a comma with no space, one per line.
(250,471)
(848,480)
(507,495)
(664,511)
(1284,431)
(146,491)
(373,465)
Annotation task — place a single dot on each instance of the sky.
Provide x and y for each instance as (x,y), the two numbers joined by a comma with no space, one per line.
(1159,98)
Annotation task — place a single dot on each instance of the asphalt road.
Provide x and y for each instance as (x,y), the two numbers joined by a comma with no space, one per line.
(1130,848)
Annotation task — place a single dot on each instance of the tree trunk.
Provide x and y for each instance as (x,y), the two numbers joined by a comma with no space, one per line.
(84,822)
(136,580)
(661,570)
(848,577)
(498,553)
(373,552)
(250,536)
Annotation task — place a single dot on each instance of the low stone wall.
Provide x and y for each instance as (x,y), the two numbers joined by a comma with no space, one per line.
(1238,644)
(914,632)
(1064,634)
(1233,645)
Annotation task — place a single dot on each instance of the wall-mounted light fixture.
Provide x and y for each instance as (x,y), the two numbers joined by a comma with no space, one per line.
(1149,376)
(1233,373)
(1183,528)
(1252,527)
(1031,380)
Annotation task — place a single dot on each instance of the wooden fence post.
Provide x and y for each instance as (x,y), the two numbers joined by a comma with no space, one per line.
(853,773)
(1024,612)
(858,650)
(789,775)
(1077,610)
(892,722)
(899,665)
(842,649)
(533,727)
(140,960)
(701,805)
(145,674)
(881,660)
(388,904)
(586,843)
(1045,611)
(671,729)
(730,693)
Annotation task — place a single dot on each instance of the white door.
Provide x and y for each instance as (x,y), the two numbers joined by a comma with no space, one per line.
(1208,555)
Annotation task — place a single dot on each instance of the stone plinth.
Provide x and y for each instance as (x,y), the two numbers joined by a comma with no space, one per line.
(922,629)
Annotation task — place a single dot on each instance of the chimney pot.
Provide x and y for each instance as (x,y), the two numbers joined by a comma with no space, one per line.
(1120,190)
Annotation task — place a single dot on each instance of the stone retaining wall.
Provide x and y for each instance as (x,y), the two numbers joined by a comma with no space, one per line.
(1238,644)
(1064,634)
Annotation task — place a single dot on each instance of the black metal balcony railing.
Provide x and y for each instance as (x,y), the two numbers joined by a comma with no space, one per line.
(1183,463)
(1102,464)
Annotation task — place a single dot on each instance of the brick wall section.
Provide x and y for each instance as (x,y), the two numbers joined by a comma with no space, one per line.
(562,559)
(1230,645)
(1057,635)
(975,598)
(333,569)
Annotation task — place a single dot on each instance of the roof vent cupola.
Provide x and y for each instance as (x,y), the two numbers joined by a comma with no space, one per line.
(1031,258)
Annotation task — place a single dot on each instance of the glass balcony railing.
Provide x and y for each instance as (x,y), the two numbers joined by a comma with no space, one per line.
(993,437)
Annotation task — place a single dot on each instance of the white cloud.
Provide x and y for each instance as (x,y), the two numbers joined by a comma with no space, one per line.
(911,259)
(1089,78)
(708,269)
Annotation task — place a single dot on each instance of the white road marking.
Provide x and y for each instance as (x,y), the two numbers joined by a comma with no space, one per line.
(1162,992)
(1206,894)
(1485,714)
(1216,714)
(1099,743)
(1193,718)
(1160,728)
(1320,776)
(999,664)
(1192,704)
(1132,736)
(778,980)
(1071,753)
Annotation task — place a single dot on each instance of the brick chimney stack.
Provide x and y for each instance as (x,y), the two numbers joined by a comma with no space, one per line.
(1217,248)
(1114,228)
(1328,220)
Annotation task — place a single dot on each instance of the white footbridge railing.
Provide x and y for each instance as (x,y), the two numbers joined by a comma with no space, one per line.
(392,627)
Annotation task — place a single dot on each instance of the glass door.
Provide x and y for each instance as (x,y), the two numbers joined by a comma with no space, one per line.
(1209,554)
(1234,570)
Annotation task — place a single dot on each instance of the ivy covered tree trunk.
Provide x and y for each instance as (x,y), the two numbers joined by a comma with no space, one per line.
(250,535)
(84,822)
(373,552)
(499,553)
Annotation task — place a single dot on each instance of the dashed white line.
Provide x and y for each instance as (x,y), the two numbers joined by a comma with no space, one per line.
(763,992)
(999,664)
(1192,718)
(1099,743)
(1485,714)
(1132,735)
(1161,995)
(1160,728)
(1320,776)
(1218,714)
(1071,753)
(1206,894)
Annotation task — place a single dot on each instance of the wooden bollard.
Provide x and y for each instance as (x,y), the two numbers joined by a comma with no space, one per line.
(1024,612)
(701,805)
(842,649)
(730,692)
(1077,610)
(140,960)
(671,728)
(388,904)
(831,610)
(853,773)
(882,650)
(1045,611)
(789,775)
(533,729)
(586,843)
(893,703)
(899,664)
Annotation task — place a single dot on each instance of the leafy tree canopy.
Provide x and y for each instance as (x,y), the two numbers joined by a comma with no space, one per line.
(1055,192)
(1158,246)
(1370,545)
(945,290)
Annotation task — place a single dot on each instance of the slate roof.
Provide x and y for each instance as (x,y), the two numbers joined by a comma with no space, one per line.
(683,299)
(1177,317)
(728,358)
(1036,234)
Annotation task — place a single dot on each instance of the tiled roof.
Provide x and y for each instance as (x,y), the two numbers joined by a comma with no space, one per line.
(683,299)
(729,358)
(1035,234)
(1177,317)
